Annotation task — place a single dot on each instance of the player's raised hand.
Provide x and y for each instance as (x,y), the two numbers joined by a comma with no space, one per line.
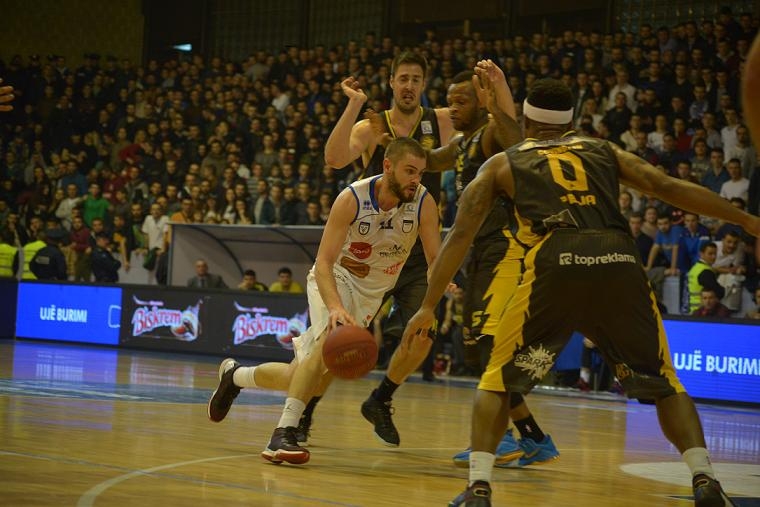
(492,72)
(352,90)
(495,90)
(377,124)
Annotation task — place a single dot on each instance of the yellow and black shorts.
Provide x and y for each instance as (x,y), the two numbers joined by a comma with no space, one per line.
(493,272)
(591,282)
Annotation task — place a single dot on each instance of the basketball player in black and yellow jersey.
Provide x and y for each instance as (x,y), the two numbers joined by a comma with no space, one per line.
(495,265)
(565,191)
(347,142)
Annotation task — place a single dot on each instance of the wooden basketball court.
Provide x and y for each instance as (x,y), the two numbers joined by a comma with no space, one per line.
(86,426)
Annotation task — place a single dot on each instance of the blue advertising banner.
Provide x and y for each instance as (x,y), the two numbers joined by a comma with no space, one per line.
(717,361)
(76,313)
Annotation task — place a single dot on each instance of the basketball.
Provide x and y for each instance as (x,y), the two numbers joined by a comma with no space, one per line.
(349,352)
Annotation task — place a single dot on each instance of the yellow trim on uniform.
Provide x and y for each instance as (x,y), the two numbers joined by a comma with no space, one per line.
(509,333)
(666,370)
(525,234)
(411,132)
(507,274)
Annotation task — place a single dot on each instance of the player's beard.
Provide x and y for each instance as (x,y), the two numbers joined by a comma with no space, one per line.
(406,108)
(395,187)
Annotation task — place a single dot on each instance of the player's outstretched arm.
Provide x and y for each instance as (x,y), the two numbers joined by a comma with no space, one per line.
(443,158)
(750,95)
(646,178)
(751,103)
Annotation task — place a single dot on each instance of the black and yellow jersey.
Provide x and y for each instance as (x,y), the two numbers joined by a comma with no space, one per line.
(427,133)
(470,157)
(571,181)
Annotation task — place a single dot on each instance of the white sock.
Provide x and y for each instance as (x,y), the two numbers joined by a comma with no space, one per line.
(586,375)
(481,466)
(698,461)
(244,377)
(292,412)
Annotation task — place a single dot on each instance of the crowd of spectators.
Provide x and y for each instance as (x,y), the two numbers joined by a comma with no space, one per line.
(117,149)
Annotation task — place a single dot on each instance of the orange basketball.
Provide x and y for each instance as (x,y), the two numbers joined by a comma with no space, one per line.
(349,352)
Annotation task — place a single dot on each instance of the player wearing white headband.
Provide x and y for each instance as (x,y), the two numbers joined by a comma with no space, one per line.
(565,191)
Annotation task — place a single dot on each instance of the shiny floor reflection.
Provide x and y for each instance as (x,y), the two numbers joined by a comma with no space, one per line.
(97,426)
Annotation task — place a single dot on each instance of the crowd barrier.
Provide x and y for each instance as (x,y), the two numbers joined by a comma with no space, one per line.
(714,360)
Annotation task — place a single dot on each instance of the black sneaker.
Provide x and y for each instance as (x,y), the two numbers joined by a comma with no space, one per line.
(708,493)
(283,446)
(477,495)
(225,394)
(379,414)
(303,430)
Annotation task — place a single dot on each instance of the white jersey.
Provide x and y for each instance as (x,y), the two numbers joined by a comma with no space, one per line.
(378,242)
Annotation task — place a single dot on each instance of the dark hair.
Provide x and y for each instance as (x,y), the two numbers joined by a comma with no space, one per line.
(705,246)
(733,233)
(7,236)
(551,94)
(409,58)
(249,272)
(463,77)
(285,270)
(402,146)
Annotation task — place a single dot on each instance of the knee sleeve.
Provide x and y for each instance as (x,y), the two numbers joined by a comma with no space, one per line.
(515,399)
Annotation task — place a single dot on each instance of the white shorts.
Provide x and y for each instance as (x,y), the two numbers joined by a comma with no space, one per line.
(361,308)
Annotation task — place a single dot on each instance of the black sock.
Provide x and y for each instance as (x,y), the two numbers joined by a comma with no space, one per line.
(385,390)
(311,406)
(528,428)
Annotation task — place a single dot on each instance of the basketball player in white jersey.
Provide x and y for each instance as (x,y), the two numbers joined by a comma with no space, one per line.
(368,236)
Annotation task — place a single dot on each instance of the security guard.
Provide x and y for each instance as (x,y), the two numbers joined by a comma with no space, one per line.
(49,262)
(29,251)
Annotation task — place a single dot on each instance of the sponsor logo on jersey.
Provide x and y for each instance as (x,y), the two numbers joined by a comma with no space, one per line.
(356,268)
(393,269)
(360,250)
(366,205)
(394,251)
(569,259)
(426,127)
(407,226)
(363,228)
(428,142)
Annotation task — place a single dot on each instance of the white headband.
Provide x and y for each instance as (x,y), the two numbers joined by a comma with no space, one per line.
(547,115)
